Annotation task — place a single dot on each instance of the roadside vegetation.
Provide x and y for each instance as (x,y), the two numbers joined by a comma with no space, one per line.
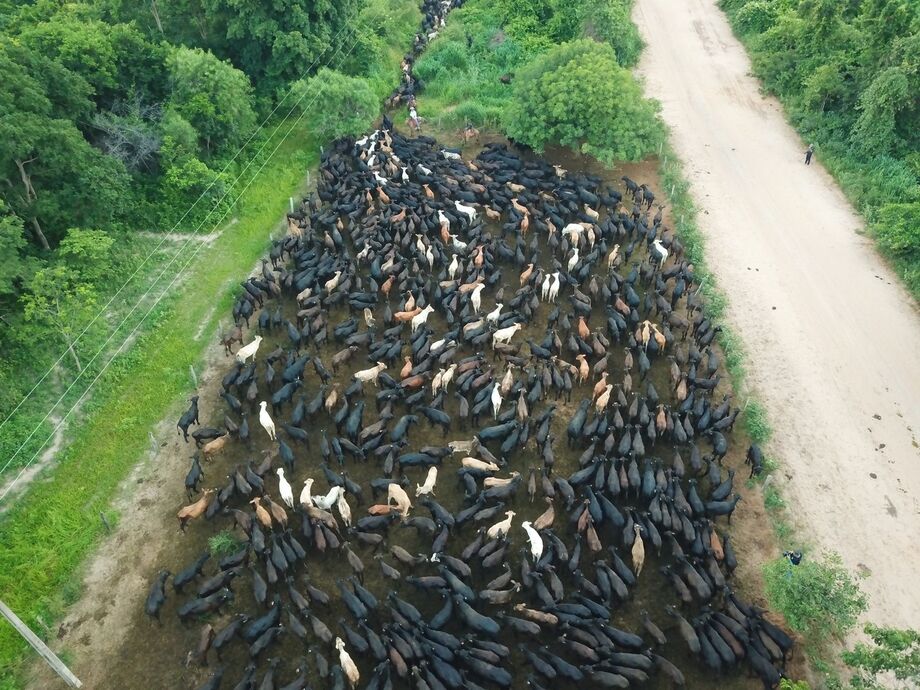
(482,66)
(848,74)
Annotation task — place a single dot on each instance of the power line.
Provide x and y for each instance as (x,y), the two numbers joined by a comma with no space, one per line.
(152,252)
(156,302)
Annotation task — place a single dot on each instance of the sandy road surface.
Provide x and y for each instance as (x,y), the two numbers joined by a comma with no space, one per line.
(833,340)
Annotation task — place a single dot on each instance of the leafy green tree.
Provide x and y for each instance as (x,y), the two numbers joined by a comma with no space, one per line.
(875,132)
(611,21)
(893,652)
(213,96)
(578,95)
(825,86)
(116,60)
(59,305)
(274,43)
(88,253)
(818,597)
(336,105)
(54,177)
(189,182)
(12,244)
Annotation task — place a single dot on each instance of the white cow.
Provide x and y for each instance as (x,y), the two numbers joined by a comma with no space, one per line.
(504,335)
(428,486)
(266,421)
(371,374)
(500,528)
(536,541)
(421,317)
(249,350)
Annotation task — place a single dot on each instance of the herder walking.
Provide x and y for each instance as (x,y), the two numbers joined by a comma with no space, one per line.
(809,152)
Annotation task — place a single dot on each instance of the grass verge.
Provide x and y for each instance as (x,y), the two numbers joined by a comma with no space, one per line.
(49,531)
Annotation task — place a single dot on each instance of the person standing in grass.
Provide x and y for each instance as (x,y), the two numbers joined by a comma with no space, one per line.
(809,152)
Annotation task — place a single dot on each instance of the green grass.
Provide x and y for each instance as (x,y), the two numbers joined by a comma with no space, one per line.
(49,531)
(758,427)
(772,501)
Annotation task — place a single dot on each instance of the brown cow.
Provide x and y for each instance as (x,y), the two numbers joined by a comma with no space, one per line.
(194,510)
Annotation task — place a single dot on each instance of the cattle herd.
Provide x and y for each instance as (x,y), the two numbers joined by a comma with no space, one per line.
(502,302)
(517,418)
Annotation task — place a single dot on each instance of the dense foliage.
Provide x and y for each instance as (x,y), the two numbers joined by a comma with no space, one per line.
(335,104)
(578,96)
(848,74)
(490,51)
(121,116)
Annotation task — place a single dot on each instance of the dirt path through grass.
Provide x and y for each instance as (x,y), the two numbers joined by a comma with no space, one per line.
(833,339)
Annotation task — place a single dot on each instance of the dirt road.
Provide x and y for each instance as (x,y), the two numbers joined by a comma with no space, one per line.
(832,338)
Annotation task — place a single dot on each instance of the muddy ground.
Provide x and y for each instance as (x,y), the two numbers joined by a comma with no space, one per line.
(112,644)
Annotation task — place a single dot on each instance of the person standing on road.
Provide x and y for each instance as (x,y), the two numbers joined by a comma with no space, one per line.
(809,152)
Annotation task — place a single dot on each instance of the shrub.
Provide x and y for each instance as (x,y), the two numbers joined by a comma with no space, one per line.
(576,94)
(610,20)
(898,228)
(336,105)
(223,543)
(755,17)
(819,598)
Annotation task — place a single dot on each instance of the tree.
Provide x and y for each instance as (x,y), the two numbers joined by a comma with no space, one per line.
(825,84)
(213,96)
(818,597)
(60,304)
(54,177)
(336,105)
(610,20)
(61,297)
(116,60)
(577,95)
(874,131)
(275,42)
(893,652)
(12,242)
(88,253)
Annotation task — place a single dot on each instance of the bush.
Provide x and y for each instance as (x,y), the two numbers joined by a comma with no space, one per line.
(223,543)
(578,95)
(819,598)
(898,228)
(755,17)
(336,105)
(610,21)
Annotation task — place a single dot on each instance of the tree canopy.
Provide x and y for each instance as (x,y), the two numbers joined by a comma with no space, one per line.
(336,105)
(578,95)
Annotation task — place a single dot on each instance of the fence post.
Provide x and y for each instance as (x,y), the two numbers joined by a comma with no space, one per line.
(153,443)
(291,199)
(191,371)
(50,657)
